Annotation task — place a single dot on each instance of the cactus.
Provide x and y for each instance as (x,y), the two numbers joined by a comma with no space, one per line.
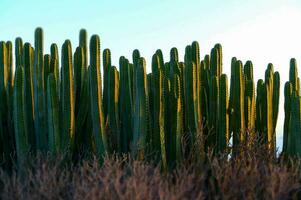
(20,122)
(223,135)
(67,98)
(176,122)
(125,104)
(191,103)
(158,111)
(19,51)
(113,113)
(237,116)
(39,93)
(29,97)
(96,97)
(294,138)
(214,110)
(140,111)
(53,116)
(267,103)
(288,90)
(106,70)
(4,134)
(292,103)
(54,65)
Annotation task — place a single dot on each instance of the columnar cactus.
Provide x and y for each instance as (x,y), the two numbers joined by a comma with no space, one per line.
(4,134)
(39,93)
(19,51)
(249,98)
(96,97)
(106,70)
(267,103)
(237,116)
(29,97)
(140,111)
(113,110)
(67,98)
(125,104)
(176,122)
(142,114)
(53,119)
(54,65)
(223,135)
(292,110)
(158,111)
(21,131)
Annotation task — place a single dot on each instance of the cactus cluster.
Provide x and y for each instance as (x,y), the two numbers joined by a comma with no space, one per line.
(177,109)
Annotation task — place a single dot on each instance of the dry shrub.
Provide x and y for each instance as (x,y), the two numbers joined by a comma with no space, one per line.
(253,173)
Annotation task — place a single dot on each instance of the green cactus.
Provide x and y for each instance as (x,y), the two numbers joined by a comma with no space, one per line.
(4,134)
(294,137)
(39,93)
(67,99)
(292,110)
(249,97)
(176,122)
(191,101)
(29,97)
(158,111)
(54,65)
(47,70)
(9,95)
(214,111)
(267,103)
(288,90)
(140,111)
(113,110)
(237,116)
(78,63)
(53,116)
(125,104)
(106,83)
(19,51)
(223,135)
(20,121)
(96,98)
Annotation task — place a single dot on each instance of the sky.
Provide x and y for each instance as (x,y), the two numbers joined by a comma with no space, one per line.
(263,31)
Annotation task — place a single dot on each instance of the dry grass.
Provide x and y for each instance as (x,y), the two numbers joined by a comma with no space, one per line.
(252,174)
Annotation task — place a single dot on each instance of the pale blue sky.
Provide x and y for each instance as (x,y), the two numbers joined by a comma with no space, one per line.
(260,30)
